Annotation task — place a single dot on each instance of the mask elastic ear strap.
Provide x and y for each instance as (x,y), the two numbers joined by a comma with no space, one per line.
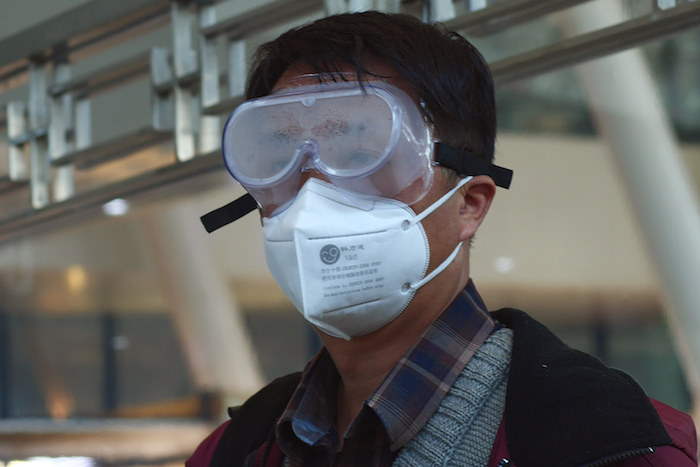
(229,213)
(438,269)
(429,210)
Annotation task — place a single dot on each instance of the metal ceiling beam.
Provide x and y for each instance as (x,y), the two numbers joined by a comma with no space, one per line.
(7,184)
(59,29)
(226,105)
(565,53)
(239,18)
(506,14)
(35,220)
(121,146)
(111,74)
(600,43)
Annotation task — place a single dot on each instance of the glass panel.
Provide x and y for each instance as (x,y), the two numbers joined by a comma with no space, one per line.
(84,330)
(555,102)
(148,349)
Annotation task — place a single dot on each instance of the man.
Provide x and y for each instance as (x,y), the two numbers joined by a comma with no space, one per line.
(367,147)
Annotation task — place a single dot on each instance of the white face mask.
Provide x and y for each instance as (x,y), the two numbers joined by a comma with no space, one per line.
(350,264)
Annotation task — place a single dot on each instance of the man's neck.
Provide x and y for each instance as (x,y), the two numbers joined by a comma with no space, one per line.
(364,362)
(361,373)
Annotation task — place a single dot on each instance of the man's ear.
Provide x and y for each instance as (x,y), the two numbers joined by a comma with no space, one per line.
(476,197)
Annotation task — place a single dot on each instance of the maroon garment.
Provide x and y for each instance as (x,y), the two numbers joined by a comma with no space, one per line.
(204,452)
(563,408)
(681,453)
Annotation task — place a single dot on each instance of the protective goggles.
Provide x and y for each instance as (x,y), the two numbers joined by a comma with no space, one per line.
(368,139)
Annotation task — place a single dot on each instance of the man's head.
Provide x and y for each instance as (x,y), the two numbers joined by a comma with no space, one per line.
(445,76)
(358,226)
(449,76)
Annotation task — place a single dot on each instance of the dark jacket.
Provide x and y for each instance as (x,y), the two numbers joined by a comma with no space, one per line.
(564,408)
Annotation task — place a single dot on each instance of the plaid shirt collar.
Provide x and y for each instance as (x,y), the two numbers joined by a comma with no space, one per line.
(409,395)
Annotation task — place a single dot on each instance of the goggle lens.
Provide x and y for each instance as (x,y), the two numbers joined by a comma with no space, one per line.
(370,140)
(350,136)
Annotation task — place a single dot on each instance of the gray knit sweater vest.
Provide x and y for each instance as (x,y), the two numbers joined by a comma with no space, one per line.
(464,426)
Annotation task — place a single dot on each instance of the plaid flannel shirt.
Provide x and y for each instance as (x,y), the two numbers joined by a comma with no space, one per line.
(398,409)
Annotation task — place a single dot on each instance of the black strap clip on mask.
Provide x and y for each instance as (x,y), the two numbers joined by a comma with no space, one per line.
(461,160)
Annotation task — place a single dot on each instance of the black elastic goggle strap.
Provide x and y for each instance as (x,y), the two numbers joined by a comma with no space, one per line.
(465,163)
(461,160)
(229,213)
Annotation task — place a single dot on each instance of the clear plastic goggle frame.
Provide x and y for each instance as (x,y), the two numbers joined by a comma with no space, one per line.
(368,139)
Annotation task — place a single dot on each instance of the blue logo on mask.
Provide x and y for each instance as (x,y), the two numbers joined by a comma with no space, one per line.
(330,254)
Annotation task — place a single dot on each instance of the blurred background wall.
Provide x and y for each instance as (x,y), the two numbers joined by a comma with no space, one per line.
(126,329)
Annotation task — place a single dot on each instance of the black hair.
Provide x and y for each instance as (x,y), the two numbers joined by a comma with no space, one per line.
(448,74)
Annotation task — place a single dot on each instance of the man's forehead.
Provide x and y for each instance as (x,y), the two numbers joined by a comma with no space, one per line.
(375,68)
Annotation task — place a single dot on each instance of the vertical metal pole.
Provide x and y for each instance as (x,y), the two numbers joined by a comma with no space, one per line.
(625,102)
(442,10)
(110,396)
(16,128)
(60,115)
(388,6)
(209,133)
(184,64)
(209,125)
(664,4)
(40,172)
(236,68)
(63,184)
(476,5)
(40,177)
(184,55)
(335,7)
(59,144)
(38,96)
(4,366)
(83,124)
(184,126)
(355,6)
(209,60)
(210,73)
(161,74)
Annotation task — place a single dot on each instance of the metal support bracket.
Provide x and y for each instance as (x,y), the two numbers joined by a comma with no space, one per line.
(16,129)
(184,53)
(441,10)
(210,84)
(335,7)
(161,75)
(61,134)
(185,104)
(664,4)
(236,68)
(210,76)
(476,5)
(355,6)
(40,176)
